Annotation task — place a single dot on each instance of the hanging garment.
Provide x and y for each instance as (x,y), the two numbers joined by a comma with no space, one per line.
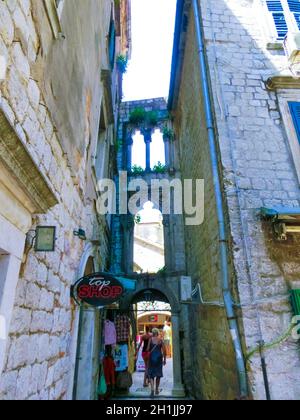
(122,328)
(124,381)
(109,368)
(131,357)
(121,357)
(110,334)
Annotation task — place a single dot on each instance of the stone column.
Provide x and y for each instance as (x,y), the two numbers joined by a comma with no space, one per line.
(147,133)
(178,388)
(128,227)
(129,144)
(168,159)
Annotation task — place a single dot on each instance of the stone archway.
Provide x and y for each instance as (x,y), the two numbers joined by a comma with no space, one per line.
(165,287)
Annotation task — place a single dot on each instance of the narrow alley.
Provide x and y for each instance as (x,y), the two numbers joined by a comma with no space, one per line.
(149,201)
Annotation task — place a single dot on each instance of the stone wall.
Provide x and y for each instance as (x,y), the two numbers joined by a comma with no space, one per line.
(258,165)
(40,356)
(255,141)
(209,359)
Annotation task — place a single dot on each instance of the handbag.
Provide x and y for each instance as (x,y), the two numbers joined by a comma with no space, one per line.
(124,380)
(102,387)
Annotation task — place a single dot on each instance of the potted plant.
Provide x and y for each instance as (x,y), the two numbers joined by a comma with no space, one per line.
(122,63)
(137,116)
(159,168)
(137,170)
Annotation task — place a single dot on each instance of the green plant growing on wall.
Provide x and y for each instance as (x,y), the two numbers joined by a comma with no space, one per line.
(152,118)
(138,116)
(137,170)
(162,272)
(159,168)
(122,63)
(119,145)
(168,133)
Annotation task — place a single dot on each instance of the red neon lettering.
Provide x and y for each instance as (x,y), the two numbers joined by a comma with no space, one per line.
(90,292)
(83,292)
(116,291)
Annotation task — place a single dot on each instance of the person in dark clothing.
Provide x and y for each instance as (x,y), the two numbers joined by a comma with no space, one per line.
(145,354)
(157,359)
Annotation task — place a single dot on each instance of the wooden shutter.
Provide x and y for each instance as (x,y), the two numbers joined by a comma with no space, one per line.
(296,301)
(275,7)
(112,44)
(294,6)
(295,111)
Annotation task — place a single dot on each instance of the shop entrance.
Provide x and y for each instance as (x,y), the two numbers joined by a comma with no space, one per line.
(153,314)
(128,331)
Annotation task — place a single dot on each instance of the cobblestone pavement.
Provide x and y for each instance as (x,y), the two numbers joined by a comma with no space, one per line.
(138,392)
(166,383)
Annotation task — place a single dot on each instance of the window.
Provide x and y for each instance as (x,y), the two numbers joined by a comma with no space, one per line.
(101,154)
(157,151)
(285,16)
(112,44)
(289,106)
(149,245)
(275,7)
(294,6)
(295,111)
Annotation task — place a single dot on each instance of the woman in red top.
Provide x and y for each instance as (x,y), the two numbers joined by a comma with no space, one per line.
(145,354)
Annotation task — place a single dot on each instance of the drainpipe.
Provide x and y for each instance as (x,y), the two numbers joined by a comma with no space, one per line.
(228,300)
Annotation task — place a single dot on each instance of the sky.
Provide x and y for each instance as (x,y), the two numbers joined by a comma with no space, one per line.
(148,74)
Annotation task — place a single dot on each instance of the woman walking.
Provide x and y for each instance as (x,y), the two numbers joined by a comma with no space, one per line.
(145,354)
(157,359)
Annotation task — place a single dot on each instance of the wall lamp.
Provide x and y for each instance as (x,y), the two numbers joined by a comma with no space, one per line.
(43,239)
(80,233)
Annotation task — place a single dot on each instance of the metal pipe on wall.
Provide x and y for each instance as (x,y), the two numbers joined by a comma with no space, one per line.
(228,300)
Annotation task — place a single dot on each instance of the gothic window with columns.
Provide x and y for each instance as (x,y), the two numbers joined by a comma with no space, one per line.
(148,150)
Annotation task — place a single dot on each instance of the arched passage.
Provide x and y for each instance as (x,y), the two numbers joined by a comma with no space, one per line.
(159,289)
(149,243)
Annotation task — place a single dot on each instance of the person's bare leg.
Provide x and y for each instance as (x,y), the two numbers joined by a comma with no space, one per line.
(152,387)
(146,377)
(157,386)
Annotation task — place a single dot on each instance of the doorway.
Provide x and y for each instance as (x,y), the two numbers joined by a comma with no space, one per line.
(151,312)
(88,343)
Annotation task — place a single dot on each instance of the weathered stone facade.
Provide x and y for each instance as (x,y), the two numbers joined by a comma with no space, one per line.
(257,164)
(51,98)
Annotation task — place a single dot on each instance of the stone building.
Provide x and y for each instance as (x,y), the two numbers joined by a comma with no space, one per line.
(233,112)
(235,94)
(59,94)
